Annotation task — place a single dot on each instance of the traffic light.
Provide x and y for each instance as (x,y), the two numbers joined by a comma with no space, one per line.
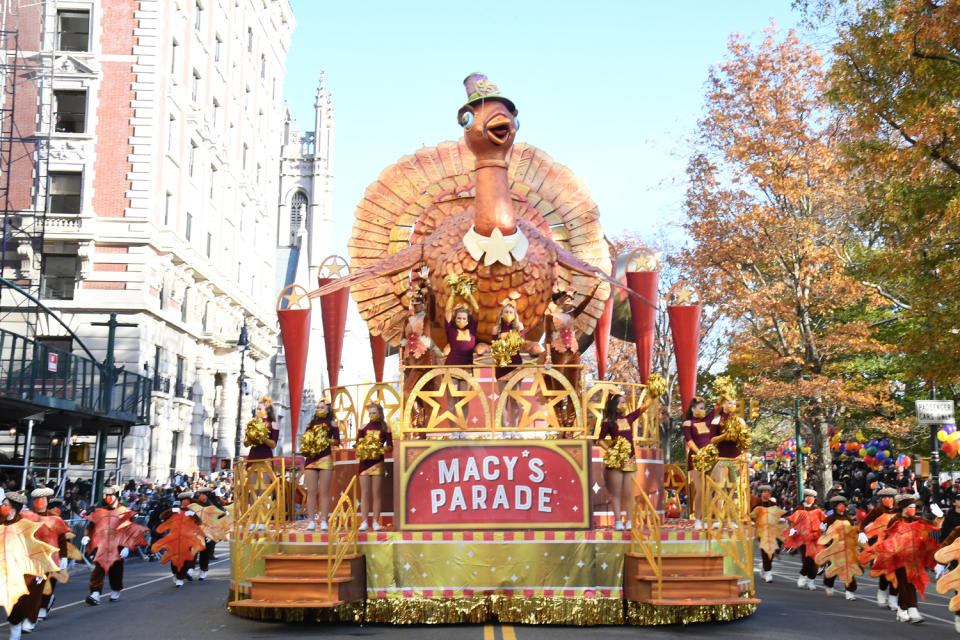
(754,408)
(740,407)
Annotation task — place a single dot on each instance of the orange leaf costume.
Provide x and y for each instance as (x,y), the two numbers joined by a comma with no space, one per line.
(112,529)
(842,551)
(21,554)
(769,527)
(807,526)
(877,529)
(908,545)
(214,521)
(183,539)
(951,579)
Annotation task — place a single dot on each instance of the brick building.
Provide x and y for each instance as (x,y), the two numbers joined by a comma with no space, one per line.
(154,187)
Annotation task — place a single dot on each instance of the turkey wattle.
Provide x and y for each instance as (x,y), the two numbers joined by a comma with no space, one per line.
(504,214)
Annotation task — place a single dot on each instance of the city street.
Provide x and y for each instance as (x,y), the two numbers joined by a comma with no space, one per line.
(151,608)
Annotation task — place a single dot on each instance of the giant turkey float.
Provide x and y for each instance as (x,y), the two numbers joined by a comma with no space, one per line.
(496,494)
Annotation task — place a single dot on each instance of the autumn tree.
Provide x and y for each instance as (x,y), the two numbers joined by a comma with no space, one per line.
(896,81)
(768,209)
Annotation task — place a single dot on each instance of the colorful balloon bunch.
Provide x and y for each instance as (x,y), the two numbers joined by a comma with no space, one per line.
(949,438)
(904,461)
(787,449)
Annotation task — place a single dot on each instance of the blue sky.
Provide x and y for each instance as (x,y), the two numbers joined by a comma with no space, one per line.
(610,89)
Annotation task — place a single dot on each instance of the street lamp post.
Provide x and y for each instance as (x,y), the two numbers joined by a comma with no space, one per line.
(243,344)
(798,456)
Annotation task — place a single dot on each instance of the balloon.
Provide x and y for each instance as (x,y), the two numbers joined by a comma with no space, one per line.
(872,451)
(806,450)
(887,462)
(884,444)
(942,435)
(950,428)
(862,453)
(906,462)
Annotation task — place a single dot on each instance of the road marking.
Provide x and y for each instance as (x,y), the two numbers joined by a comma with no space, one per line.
(488,632)
(508,633)
(142,584)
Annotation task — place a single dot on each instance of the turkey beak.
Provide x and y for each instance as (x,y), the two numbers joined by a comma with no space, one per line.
(498,129)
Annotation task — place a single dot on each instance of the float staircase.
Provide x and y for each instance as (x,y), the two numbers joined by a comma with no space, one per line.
(688,579)
(304,581)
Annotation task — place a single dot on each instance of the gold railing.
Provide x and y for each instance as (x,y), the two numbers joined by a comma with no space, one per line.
(535,401)
(645,533)
(726,519)
(260,512)
(342,536)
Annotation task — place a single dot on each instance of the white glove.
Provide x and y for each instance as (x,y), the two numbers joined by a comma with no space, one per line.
(936,511)
(862,538)
(792,532)
(175,510)
(39,579)
(207,540)
(124,553)
(189,513)
(63,564)
(823,526)
(84,541)
(940,570)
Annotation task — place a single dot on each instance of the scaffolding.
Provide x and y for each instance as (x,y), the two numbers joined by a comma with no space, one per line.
(26,123)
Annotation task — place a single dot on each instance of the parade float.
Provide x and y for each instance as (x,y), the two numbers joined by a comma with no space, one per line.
(496,504)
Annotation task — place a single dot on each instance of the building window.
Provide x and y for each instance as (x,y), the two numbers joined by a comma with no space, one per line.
(181,373)
(173,59)
(58,276)
(298,205)
(73,30)
(206,314)
(258,173)
(189,229)
(218,41)
(195,86)
(198,16)
(215,113)
(213,180)
(209,244)
(249,39)
(65,187)
(263,66)
(167,208)
(243,162)
(71,111)
(191,158)
(184,305)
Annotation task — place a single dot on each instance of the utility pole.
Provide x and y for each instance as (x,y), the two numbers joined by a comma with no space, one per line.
(109,373)
(799,453)
(934,452)
(243,344)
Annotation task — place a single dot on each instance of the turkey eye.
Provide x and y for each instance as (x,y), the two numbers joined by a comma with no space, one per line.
(467,120)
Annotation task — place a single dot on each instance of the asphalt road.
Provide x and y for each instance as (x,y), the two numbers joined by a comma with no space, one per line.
(150,607)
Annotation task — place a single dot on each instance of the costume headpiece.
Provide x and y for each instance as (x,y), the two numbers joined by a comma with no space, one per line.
(203,490)
(479,88)
(838,500)
(16,497)
(41,492)
(887,492)
(110,491)
(765,487)
(184,495)
(809,493)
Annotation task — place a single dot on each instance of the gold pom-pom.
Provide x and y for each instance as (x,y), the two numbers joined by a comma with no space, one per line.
(656,385)
(257,433)
(461,285)
(315,441)
(503,349)
(706,459)
(735,430)
(724,389)
(369,447)
(618,453)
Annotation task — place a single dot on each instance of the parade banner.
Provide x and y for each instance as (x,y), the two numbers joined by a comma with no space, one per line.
(451,485)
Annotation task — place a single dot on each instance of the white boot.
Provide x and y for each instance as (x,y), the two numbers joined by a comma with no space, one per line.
(801,582)
(881,598)
(177,582)
(363,526)
(915,616)
(618,526)
(323,525)
(768,576)
(15,631)
(311,525)
(698,524)
(812,585)
(114,596)
(628,525)
(850,596)
(27,627)
(376,525)
(94,598)
(956,623)
(42,614)
(829,590)
(203,575)
(893,604)
(902,616)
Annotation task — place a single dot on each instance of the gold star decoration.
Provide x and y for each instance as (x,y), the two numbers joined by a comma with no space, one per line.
(447,393)
(333,266)
(532,400)
(295,296)
(683,293)
(646,261)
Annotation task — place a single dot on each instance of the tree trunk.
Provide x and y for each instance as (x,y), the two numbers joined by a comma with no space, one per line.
(822,467)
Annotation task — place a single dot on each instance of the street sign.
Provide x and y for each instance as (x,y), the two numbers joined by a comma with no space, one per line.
(52,359)
(770,455)
(935,412)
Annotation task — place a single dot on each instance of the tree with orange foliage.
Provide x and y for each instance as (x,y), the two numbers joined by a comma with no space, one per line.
(768,207)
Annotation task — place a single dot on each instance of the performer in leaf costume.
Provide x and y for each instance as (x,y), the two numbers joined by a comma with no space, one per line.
(215,522)
(768,519)
(53,530)
(872,530)
(111,533)
(841,550)
(948,572)
(182,538)
(907,551)
(804,536)
(24,560)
